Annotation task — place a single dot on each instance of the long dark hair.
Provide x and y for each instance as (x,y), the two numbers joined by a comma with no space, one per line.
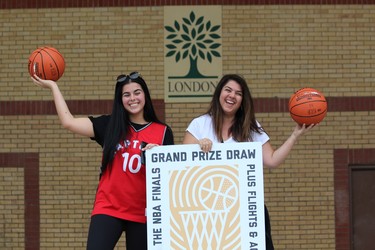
(119,123)
(245,121)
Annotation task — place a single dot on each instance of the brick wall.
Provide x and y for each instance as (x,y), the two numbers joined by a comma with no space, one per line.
(278,48)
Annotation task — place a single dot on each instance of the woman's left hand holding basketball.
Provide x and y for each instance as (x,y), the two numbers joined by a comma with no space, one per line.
(301,129)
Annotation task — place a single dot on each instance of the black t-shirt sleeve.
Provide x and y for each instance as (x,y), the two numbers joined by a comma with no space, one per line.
(99,124)
(168,138)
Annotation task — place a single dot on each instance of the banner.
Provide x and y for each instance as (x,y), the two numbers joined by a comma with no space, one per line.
(208,201)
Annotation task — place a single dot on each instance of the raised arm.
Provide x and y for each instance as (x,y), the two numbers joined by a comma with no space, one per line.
(273,158)
(82,126)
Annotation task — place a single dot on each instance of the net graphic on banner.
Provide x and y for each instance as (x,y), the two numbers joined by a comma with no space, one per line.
(206,205)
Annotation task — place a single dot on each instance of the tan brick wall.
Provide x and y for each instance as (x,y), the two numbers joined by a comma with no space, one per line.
(279,49)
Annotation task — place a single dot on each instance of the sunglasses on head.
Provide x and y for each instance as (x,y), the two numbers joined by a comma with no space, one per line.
(131,76)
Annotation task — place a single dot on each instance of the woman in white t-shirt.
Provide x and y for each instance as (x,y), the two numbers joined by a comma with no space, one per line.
(231,118)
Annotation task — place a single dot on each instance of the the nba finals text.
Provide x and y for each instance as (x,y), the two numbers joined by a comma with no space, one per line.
(156,209)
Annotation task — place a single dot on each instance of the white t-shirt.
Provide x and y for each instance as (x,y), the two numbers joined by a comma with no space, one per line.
(202,127)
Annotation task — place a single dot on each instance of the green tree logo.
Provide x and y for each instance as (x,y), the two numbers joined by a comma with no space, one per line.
(193,39)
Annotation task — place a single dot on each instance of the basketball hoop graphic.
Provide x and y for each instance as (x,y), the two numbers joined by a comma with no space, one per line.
(205,209)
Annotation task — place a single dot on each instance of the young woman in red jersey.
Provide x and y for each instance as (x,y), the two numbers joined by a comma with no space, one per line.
(132,128)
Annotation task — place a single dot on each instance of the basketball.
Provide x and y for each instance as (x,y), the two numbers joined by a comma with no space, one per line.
(47,63)
(307,106)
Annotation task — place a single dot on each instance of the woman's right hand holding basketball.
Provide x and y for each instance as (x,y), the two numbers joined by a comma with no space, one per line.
(43,83)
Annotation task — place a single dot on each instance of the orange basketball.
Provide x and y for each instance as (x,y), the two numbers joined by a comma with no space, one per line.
(47,63)
(307,106)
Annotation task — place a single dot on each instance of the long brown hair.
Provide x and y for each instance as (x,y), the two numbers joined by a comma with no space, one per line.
(119,123)
(244,121)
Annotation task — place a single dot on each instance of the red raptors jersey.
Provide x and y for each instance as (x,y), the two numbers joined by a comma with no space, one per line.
(122,188)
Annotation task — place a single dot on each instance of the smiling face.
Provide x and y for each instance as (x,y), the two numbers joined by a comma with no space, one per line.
(133,99)
(231,98)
